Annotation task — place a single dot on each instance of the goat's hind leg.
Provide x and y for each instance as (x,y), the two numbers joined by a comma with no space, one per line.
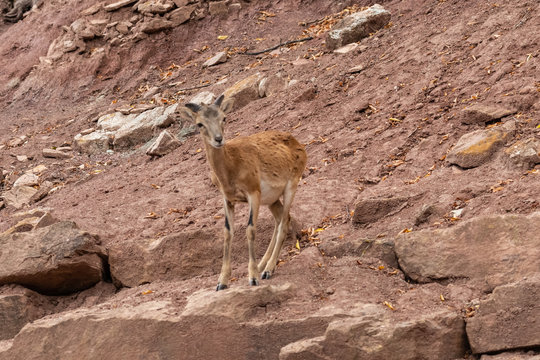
(282,229)
(228,233)
(277,210)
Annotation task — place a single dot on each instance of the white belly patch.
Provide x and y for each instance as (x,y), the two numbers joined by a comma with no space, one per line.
(269,194)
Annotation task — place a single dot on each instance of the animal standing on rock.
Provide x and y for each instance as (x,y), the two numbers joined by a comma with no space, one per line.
(256,169)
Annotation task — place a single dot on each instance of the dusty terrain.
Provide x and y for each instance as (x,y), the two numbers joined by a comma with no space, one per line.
(380,131)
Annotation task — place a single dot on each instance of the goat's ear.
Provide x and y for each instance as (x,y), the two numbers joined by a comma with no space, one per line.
(193,107)
(219,100)
(188,112)
(225,105)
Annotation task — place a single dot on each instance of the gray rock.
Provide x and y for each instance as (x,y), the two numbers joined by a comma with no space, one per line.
(508,318)
(218,58)
(488,251)
(273,84)
(382,249)
(55,154)
(357,26)
(117,5)
(479,113)
(94,142)
(346,49)
(244,91)
(125,131)
(27,179)
(218,8)
(524,154)
(370,210)
(155,7)
(181,15)
(140,128)
(36,220)
(55,259)
(204,97)
(19,196)
(92,9)
(164,144)
(157,24)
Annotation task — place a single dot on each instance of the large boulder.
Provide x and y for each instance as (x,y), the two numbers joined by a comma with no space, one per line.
(157,329)
(508,318)
(371,336)
(55,259)
(357,26)
(173,257)
(488,251)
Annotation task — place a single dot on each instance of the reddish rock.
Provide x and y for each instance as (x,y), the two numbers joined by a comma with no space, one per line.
(55,259)
(508,318)
(488,251)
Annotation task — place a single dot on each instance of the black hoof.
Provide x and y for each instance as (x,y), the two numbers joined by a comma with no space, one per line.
(253,282)
(266,275)
(221,287)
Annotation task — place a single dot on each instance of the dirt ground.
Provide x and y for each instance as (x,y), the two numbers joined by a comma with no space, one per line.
(381,132)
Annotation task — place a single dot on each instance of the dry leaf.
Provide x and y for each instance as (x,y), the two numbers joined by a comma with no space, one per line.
(442,297)
(297,244)
(146,292)
(155,186)
(223,37)
(405,231)
(151,215)
(389,305)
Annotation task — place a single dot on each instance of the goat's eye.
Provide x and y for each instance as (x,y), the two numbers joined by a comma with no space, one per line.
(200,125)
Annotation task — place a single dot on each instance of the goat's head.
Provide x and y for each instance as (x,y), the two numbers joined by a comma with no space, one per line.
(210,119)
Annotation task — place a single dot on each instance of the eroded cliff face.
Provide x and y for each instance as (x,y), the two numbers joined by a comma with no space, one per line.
(415,223)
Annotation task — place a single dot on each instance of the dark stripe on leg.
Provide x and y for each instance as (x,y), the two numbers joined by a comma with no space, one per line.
(227,226)
(250,222)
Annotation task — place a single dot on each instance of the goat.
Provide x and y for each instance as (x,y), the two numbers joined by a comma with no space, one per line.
(256,169)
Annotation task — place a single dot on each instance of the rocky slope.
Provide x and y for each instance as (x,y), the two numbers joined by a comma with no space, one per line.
(416,221)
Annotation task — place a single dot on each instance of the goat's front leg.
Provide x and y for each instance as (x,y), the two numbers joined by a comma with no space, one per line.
(254,200)
(228,233)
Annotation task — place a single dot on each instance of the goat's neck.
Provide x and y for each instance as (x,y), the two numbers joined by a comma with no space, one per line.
(218,160)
